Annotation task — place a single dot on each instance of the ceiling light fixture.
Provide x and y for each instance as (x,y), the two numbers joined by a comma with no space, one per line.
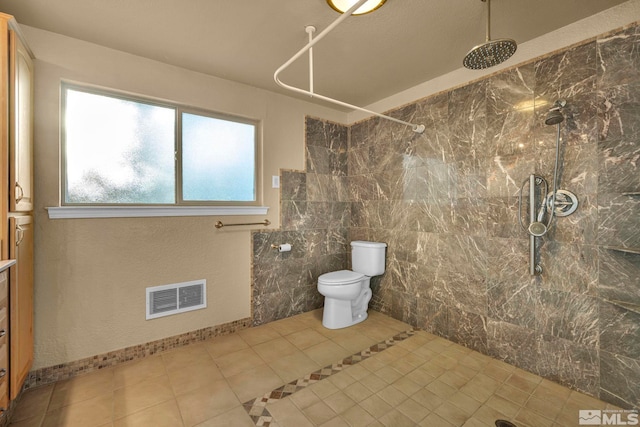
(343,5)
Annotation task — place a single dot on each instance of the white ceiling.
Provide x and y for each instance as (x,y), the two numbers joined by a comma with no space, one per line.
(365,59)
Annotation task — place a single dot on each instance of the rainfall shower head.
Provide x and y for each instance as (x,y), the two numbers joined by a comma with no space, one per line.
(555,116)
(491,52)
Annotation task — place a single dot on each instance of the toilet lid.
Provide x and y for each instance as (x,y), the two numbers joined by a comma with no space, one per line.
(340,277)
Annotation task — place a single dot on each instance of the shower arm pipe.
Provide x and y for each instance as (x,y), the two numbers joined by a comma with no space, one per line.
(488,20)
(309,48)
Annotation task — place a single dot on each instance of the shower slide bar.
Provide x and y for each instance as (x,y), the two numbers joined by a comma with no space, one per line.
(535,228)
(309,48)
(219,224)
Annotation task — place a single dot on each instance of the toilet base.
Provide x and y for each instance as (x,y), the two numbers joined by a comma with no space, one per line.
(337,314)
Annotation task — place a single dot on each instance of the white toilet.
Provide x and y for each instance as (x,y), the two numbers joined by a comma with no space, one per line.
(347,293)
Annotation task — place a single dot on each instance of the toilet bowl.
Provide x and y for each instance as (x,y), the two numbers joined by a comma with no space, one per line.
(348,292)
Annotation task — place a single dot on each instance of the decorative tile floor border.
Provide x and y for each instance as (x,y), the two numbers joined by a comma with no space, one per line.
(257,408)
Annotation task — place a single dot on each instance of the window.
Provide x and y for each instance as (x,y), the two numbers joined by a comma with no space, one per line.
(122,150)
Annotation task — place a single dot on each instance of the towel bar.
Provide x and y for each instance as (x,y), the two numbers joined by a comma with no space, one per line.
(219,224)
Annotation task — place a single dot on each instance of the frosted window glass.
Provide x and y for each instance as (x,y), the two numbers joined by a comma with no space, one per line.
(118,151)
(218,159)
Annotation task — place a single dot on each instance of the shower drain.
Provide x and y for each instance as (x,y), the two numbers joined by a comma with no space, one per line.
(503,423)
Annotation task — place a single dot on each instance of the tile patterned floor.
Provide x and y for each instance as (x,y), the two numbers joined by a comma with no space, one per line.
(295,373)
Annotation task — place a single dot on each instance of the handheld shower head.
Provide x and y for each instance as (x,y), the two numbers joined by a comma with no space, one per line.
(555,116)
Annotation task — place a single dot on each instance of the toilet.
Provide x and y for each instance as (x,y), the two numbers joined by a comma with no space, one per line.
(347,292)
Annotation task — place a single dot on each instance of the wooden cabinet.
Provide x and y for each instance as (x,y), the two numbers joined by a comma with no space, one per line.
(16,206)
(4,341)
(20,301)
(20,126)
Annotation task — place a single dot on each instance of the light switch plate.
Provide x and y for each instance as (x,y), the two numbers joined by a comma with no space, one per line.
(275,181)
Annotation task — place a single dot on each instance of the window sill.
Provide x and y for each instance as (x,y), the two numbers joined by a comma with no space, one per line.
(65,212)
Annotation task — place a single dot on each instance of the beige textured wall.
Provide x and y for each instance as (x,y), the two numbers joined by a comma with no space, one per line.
(91,274)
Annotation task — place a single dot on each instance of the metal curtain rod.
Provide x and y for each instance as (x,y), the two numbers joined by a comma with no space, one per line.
(309,48)
(219,224)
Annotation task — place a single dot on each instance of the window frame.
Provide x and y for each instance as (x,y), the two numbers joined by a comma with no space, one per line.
(234,207)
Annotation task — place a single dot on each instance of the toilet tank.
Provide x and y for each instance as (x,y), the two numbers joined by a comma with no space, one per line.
(368,257)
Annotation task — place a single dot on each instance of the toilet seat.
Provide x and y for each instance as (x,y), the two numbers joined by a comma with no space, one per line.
(342,277)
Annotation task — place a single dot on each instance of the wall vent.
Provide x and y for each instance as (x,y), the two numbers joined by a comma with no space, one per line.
(176,298)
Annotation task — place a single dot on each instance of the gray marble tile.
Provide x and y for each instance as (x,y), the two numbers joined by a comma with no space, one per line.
(294,215)
(402,276)
(618,223)
(566,74)
(506,174)
(431,286)
(510,133)
(339,215)
(293,185)
(512,344)
(511,90)
(513,302)
(322,133)
(568,363)
(325,161)
(359,160)
(396,184)
(619,278)
(467,122)
(618,58)
(468,329)
(362,187)
(567,315)
(619,330)
(326,188)
(279,278)
(337,240)
(312,243)
(305,299)
(272,306)
(619,380)
(502,217)
(433,181)
(618,166)
(434,143)
(465,292)
(430,217)
(569,267)
(363,133)
(507,259)
(467,185)
(433,317)
(387,155)
(402,245)
(469,217)
(618,117)
(449,253)
(404,307)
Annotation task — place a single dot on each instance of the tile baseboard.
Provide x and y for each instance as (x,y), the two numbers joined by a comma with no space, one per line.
(51,374)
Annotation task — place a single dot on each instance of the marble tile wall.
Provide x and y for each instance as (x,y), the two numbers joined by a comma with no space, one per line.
(315,212)
(446,203)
